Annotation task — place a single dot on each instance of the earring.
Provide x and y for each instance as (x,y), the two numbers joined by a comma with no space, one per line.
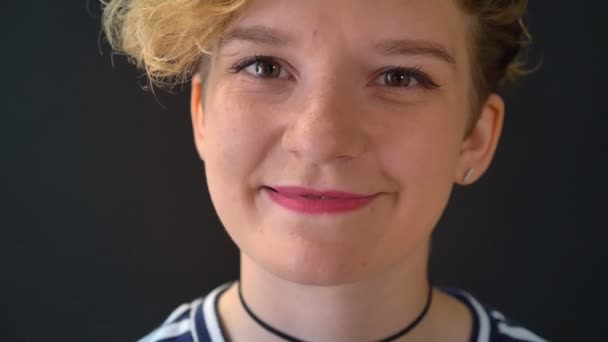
(468,174)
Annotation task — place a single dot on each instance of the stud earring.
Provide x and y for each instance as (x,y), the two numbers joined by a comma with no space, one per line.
(468,174)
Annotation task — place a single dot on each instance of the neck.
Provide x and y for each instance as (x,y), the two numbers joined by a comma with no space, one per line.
(367,310)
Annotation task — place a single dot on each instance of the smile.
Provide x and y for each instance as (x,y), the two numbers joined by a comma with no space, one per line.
(309,201)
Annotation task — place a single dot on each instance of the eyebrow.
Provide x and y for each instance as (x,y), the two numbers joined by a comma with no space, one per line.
(414,47)
(268,36)
(255,34)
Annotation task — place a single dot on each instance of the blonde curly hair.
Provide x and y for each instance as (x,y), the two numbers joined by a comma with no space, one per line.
(167,38)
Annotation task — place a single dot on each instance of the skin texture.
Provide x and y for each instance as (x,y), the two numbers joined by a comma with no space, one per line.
(329,122)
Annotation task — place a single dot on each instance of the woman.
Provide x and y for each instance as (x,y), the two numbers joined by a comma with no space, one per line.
(332,133)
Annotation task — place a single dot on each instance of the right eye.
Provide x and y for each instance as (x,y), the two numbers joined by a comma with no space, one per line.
(261,67)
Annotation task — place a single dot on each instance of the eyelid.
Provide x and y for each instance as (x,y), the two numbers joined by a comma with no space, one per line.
(423,79)
(246,62)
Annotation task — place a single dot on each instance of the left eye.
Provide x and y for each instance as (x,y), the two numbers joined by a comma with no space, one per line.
(261,67)
(398,78)
(264,69)
(405,77)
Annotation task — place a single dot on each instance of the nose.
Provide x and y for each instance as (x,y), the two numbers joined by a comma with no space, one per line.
(326,126)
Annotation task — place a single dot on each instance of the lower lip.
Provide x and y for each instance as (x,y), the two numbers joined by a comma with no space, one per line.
(319,206)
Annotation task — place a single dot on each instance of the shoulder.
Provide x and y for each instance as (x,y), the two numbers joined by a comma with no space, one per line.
(178,327)
(191,322)
(490,325)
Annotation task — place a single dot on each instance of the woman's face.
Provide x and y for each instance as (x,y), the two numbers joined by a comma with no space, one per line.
(365,97)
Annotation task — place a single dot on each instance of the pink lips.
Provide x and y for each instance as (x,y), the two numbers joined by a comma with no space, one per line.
(314,202)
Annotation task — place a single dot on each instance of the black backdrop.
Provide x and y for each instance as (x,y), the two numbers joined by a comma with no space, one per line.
(107,225)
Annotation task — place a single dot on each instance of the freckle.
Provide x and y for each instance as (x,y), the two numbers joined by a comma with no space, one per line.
(314,33)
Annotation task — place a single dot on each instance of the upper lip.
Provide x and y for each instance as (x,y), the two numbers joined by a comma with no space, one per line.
(302,191)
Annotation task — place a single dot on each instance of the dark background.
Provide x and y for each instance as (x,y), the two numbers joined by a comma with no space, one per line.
(107,225)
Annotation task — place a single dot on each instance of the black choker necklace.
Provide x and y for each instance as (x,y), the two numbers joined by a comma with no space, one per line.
(294,339)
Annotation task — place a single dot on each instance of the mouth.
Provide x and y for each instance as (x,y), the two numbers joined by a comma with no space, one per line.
(311,201)
(315,194)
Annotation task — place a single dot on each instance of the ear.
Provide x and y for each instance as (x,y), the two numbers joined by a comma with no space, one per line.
(196,110)
(479,146)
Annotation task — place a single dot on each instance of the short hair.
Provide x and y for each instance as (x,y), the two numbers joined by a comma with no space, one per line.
(168,38)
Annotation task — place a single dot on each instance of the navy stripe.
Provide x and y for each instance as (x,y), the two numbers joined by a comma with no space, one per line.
(199,325)
(511,331)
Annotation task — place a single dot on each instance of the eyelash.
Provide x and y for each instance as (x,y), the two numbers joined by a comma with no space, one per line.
(249,61)
(415,73)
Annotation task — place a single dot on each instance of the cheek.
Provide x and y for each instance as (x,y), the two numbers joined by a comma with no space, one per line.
(421,146)
(238,138)
(427,161)
(421,159)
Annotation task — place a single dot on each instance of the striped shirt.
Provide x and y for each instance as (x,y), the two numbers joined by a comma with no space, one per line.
(198,322)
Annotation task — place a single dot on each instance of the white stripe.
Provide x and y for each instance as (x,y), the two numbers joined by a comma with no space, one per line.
(177,312)
(498,315)
(484,320)
(213,326)
(519,333)
(193,307)
(167,331)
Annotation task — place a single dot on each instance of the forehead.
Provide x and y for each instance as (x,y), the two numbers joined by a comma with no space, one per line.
(359,23)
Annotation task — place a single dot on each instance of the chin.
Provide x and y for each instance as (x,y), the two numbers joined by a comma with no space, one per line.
(315,266)
(315,277)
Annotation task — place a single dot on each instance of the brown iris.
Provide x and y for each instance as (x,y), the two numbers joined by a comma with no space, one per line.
(267,69)
(397,78)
